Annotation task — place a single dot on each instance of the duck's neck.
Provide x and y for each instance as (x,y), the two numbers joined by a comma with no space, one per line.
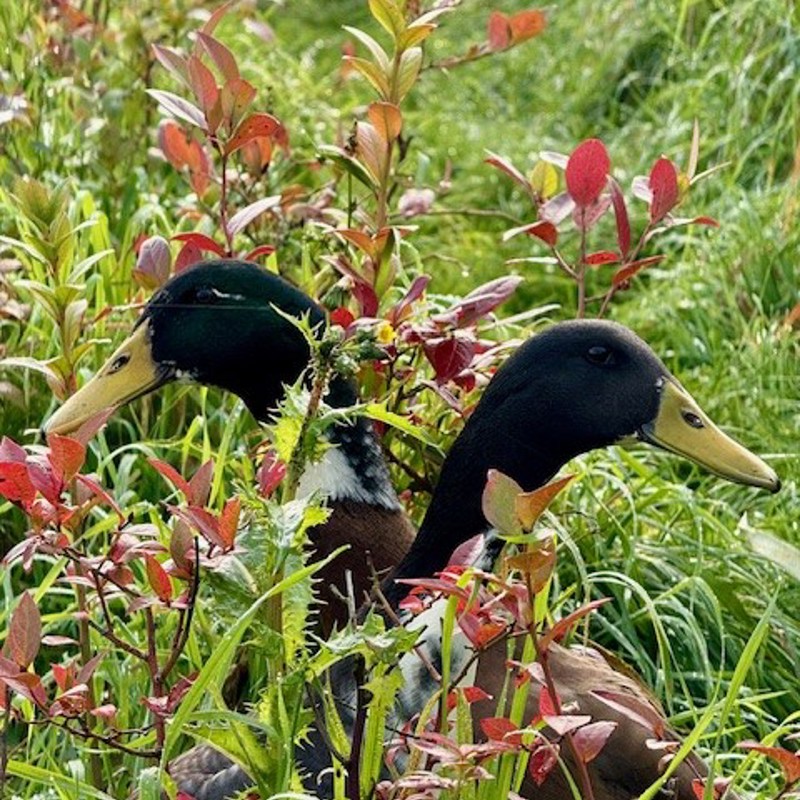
(353,468)
(455,512)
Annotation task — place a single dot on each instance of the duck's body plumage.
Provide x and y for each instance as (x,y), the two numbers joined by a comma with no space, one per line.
(576,387)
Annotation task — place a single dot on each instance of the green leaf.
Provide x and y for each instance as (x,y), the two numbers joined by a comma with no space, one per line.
(389,15)
(70,786)
(378,53)
(372,72)
(380,413)
(407,72)
(26,248)
(348,164)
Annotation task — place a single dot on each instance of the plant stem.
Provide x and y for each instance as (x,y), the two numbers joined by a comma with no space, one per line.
(95,764)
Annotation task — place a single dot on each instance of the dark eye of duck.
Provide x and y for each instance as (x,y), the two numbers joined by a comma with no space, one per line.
(599,354)
(692,419)
(205,294)
(118,363)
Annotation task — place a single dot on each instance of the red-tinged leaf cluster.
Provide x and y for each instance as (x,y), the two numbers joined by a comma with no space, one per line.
(590,193)
(505,31)
(217,122)
(166,705)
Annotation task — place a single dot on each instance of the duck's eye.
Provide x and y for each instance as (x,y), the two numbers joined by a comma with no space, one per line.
(690,418)
(598,354)
(118,363)
(206,294)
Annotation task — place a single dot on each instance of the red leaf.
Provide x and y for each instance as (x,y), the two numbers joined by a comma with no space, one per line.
(601,257)
(202,242)
(190,254)
(172,475)
(479,302)
(449,356)
(386,119)
(235,98)
(270,473)
(402,310)
(221,56)
(587,172)
(621,216)
(254,127)
(243,218)
(87,670)
(563,626)
(663,184)
(62,676)
(498,31)
(789,762)
(204,86)
(565,723)
(261,250)
(11,452)
(158,579)
(342,317)
(705,221)
(174,143)
(99,492)
(624,274)
(66,456)
(504,165)
(201,520)
(525,25)
(542,762)
(44,479)
(544,230)
(24,632)
(547,708)
(200,484)
(590,739)
(229,521)
(499,728)
(366,298)
(634,708)
(16,485)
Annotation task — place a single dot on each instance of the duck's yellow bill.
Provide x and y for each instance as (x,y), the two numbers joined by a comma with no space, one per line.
(682,427)
(130,372)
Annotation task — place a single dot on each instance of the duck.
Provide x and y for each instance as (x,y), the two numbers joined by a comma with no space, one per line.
(575,387)
(223,323)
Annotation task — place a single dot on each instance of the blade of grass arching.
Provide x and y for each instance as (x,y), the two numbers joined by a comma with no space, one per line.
(217,665)
(71,786)
(714,712)
(740,673)
(662,639)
